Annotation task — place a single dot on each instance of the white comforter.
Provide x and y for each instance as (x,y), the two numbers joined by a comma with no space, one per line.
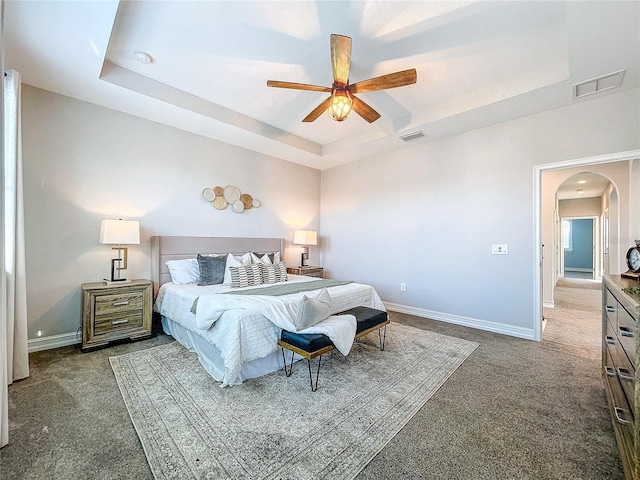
(243,334)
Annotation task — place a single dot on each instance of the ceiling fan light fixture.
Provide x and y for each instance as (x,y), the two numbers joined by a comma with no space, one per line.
(340,105)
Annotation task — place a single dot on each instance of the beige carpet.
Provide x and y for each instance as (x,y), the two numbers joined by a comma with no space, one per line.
(575,324)
(275,427)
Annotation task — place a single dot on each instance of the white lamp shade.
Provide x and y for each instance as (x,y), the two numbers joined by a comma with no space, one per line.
(122,232)
(305,237)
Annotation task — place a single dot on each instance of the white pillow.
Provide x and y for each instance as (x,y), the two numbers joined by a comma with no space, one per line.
(313,310)
(265,258)
(184,271)
(235,261)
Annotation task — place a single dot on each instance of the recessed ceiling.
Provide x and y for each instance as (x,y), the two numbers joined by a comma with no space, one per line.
(478,63)
(582,185)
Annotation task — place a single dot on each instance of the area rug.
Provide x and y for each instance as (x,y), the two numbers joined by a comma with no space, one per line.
(274,426)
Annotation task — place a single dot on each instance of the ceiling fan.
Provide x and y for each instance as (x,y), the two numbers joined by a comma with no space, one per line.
(342,98)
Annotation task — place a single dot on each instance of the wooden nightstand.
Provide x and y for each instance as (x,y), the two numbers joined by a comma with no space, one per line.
(115,312)
(307,271)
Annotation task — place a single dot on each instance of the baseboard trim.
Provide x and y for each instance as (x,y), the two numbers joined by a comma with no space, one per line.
(549,304)
(53,341)
(578,269)
(495,327)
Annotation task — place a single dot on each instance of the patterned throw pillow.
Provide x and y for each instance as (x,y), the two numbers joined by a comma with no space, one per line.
(245,276)
(274,273)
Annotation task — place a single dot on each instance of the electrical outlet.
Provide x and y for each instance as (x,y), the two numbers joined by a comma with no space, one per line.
(403,287)
(500,249)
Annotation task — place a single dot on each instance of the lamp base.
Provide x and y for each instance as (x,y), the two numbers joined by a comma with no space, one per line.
(116,281)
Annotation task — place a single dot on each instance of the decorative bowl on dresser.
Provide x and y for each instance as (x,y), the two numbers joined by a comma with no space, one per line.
(620,315)
(115,312)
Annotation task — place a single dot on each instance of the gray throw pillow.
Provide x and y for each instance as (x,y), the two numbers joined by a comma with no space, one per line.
(313,310)
(211,269)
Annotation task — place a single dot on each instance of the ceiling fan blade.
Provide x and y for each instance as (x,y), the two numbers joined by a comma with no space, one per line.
(297,86)
(340,58)
(391,80)
(364,110)
(319,110)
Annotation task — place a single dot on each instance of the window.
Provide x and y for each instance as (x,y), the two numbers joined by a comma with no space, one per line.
(567,238)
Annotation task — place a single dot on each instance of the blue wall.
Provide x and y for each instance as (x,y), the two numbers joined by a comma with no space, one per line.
(582,238)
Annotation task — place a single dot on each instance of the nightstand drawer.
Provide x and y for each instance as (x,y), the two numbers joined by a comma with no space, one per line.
(118,321)
(118,303)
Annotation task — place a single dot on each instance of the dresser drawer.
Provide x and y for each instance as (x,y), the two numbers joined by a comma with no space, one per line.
(118,321)
(118,303)
(627,330)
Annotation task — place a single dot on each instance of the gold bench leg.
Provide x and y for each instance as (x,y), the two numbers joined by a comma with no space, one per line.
(382,337)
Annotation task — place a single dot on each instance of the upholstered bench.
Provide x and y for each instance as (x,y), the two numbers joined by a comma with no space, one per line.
(312,345)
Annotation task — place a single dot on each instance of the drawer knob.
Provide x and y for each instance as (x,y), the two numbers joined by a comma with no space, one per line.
(626,332)
(119,304)
(610,340)
(622,421)
(610,309)
(118,322)
(623,374)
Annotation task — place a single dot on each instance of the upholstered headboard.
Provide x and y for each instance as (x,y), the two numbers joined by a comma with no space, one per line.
(174,248)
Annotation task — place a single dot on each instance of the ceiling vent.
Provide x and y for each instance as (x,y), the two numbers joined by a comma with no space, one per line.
(600,84)
(412,136)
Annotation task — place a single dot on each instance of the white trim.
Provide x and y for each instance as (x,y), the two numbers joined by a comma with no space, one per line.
(578,269)
(537,212)
(549,305)
(53,341)
(495,327)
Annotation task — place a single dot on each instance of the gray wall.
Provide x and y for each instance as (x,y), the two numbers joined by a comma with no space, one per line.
(84,163)
(428,215)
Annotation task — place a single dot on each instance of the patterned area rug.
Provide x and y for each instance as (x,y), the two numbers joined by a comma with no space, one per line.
(274,426)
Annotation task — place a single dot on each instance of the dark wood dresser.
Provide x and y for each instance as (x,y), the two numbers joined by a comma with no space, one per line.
(620,316)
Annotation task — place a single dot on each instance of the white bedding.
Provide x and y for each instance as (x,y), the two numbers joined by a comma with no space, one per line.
(245,335)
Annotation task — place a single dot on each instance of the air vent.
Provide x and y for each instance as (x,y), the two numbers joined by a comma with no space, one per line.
(412,136)
(596,85)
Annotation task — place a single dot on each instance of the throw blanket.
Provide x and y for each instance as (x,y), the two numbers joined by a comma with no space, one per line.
(341,329)
(286,288)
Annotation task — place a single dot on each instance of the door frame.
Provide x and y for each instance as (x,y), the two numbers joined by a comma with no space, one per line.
(537,215)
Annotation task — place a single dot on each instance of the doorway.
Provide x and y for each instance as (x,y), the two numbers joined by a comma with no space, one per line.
(546,210)
(579,255)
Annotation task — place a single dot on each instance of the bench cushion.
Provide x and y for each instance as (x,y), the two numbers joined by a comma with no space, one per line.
(311,342)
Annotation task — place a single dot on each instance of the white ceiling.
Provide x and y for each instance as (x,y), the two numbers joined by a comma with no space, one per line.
(478,63)
(591,184)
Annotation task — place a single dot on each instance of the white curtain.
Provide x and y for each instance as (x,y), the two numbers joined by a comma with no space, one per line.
(13,294)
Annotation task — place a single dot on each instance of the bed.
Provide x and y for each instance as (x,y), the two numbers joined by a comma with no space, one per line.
(241,343)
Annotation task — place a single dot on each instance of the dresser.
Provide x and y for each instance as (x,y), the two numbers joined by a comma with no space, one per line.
(115,312)
(307,271)
(620,316)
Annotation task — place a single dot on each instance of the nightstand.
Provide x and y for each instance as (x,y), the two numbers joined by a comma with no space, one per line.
(307,271)
(115,312)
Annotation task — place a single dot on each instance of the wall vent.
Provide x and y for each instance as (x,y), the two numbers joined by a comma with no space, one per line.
(412,136)
(600,84)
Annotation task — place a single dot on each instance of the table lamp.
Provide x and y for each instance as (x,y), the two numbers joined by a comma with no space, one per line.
(119,232)
(305,238)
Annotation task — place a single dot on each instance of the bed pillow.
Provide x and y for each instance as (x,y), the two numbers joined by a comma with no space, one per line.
(313,310)
(212,268)
(274,273)
(245,276)
(269,258)
(183,271)
(235,261)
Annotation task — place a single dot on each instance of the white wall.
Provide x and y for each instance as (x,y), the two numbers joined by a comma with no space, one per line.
(428,215)
(581,207)
(83,163)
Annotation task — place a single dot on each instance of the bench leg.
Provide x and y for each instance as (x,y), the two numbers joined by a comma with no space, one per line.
(289,371)
(314,387)
(382,337)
